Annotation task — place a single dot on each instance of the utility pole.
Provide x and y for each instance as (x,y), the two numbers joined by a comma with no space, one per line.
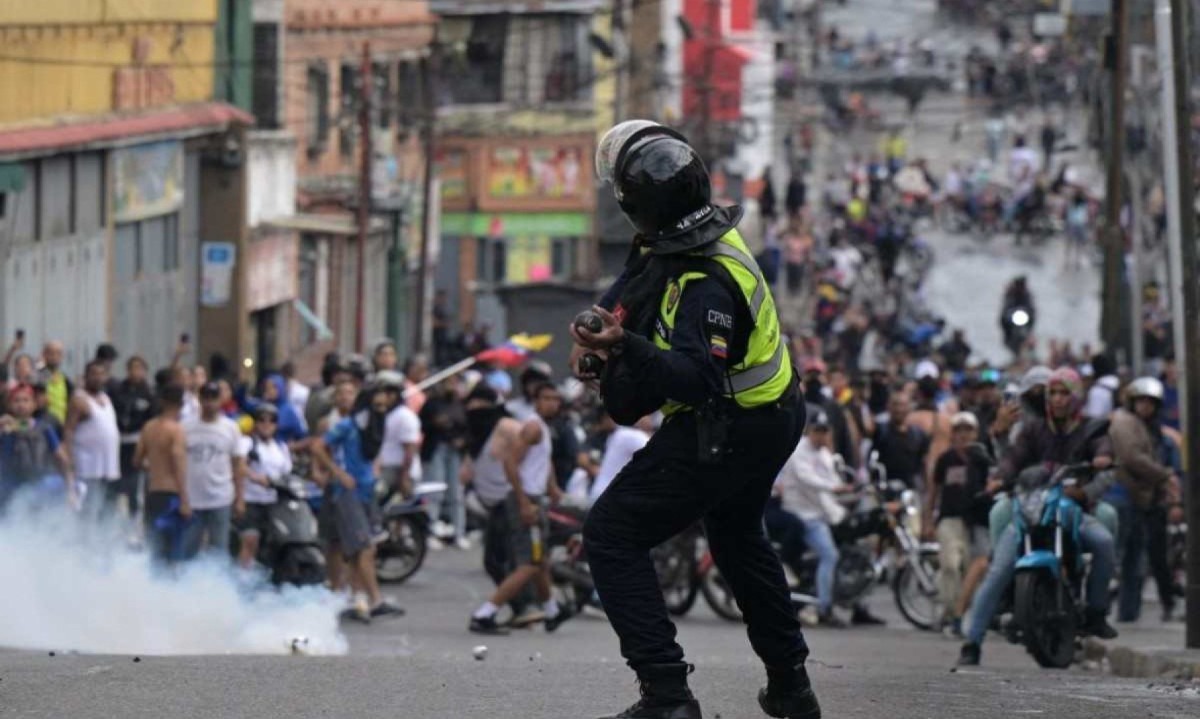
(1114,238)
(429,127)
(364,194)
(1185,199)
(621,56)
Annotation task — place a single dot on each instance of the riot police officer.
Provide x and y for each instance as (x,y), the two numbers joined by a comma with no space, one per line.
(690,328)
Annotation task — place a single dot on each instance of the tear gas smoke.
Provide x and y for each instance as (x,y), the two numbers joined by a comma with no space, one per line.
(67,587)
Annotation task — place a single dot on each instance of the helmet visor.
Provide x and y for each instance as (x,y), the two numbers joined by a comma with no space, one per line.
(610,146)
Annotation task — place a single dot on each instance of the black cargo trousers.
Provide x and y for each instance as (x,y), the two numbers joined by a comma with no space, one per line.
(663,490)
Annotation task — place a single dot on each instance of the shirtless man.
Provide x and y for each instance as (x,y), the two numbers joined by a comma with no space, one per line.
(162,451)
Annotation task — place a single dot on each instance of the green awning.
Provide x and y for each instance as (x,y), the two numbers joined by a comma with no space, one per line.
(514,224)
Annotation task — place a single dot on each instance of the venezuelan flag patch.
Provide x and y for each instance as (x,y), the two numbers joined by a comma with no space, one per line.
(719,347)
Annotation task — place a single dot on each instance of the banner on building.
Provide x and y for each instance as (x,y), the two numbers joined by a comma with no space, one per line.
(147,180)
(452,172)
(217,261)
(272,271)
(535,172)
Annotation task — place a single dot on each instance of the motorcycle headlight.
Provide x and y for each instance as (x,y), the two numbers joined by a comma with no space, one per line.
(1032,505)
(910,501)
(1020,318)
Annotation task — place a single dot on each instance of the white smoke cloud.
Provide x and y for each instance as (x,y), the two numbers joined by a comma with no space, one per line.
(66,589)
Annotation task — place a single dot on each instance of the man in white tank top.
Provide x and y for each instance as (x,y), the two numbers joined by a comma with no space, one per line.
(94,442)
(530,474)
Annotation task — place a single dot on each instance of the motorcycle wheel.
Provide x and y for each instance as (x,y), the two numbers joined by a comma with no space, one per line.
(676,576)
(921,608)
(719,596)
(1048,635)
(400,556)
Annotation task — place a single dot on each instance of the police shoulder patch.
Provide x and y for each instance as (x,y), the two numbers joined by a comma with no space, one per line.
(673,293)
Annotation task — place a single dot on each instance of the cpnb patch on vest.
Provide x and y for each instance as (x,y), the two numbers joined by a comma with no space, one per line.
(719,347)
(720,319)
(673,293)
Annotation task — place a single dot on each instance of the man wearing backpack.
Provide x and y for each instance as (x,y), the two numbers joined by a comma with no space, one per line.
(30,450)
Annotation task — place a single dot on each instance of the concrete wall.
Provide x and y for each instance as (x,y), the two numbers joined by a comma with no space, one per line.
(271,175)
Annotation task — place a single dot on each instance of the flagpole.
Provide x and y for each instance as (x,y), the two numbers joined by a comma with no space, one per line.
(431,380)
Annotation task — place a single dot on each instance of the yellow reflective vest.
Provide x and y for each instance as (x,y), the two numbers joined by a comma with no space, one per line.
(763,375)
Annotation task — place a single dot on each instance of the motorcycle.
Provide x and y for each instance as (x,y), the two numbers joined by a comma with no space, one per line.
(289,546)
(408,526)
(675,561)
(1018,324)
(889,508)
(1047,590)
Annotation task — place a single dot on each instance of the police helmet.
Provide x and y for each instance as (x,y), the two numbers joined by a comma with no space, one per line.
(659,181)
(1146,387)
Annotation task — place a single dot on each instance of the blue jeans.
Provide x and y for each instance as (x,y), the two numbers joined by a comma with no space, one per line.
(212,522)
(443,467)
(1092,535)
(820,537)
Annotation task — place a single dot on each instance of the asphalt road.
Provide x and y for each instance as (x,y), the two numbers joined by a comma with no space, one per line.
(967,280)
(421,665)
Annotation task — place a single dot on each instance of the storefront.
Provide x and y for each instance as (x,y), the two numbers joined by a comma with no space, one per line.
(515,211)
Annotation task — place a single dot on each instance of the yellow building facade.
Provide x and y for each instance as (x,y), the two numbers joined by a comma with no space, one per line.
(89,57)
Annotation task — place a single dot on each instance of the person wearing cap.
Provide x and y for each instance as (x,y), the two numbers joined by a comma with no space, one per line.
(1148,487)
(956,511)
(216,470)
(267,459)
(1065,436)
(399,457)
(805,502)
(690,327)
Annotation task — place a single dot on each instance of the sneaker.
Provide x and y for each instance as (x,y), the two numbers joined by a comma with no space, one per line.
(952,628)
(362,615)
(379,535)
(528,617)
(463,543)
(830,620)
(969,655)
(862,617)
(442,530)
(486,625)
(557,620)
(387,609)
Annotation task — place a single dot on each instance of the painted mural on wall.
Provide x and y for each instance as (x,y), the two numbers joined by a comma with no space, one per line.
(148,180)
(537,172)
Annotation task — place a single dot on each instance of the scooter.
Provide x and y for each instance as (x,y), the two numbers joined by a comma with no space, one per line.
(407,522)
(290,545)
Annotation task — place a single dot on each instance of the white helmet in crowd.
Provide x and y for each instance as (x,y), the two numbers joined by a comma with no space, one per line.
(1146,387)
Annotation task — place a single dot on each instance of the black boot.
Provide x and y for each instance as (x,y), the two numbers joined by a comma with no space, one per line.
(789,694)
(1096,624)
(665,694)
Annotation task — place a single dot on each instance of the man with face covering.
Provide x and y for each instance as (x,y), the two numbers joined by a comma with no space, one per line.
(691,328)
(1063,437)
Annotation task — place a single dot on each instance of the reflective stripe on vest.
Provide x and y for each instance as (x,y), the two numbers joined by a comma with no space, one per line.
(765,372)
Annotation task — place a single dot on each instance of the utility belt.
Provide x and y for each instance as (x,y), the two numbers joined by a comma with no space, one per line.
(714,418)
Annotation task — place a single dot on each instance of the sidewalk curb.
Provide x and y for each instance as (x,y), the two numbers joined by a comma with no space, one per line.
(1143,662)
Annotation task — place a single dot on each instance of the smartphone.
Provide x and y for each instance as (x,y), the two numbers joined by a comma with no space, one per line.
(20,334)
(185,338)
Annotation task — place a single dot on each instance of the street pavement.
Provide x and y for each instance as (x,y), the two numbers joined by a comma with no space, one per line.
(422,665)
(967,281)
